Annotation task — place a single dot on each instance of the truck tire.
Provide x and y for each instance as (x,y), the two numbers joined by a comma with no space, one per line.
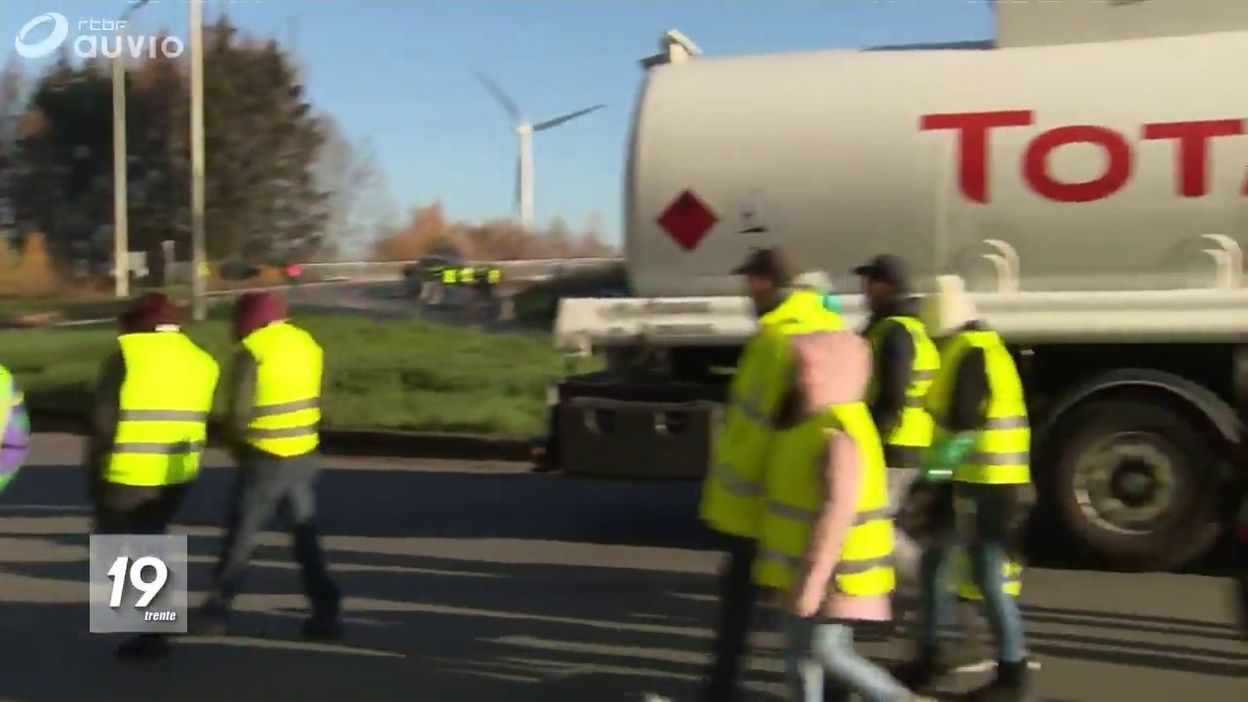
(1135,484)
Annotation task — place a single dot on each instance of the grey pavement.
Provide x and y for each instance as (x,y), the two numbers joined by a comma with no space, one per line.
(486,582)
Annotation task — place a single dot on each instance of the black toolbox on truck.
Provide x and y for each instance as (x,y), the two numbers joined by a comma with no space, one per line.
(636,426)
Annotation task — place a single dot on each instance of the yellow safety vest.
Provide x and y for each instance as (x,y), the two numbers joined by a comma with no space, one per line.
(289,364)
(796,495)
(448,276)
(915,428)
(467,275)
(165,400)
(10,398)
(732,490)
(1011,573)
(1002,446)
(495,276)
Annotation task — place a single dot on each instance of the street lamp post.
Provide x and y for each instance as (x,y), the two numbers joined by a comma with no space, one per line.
(121,223)
(198,277)
(121,201)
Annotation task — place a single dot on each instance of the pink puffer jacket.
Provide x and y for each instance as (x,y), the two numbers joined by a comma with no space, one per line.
(835,368)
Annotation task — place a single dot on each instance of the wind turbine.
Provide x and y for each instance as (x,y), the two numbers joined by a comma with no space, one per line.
(524,136)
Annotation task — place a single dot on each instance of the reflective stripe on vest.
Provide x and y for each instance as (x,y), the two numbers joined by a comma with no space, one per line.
(795,497)
(287,410)
(161,425)
(733,487)
(914,430)
(1011,579)
(1002,446)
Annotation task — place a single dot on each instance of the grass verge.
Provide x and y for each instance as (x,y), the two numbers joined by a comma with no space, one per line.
(408,375)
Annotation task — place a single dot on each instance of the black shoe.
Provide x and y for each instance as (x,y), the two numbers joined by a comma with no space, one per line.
(211,619)
(922,673)
(1008,685)
(322,627)
(143,647)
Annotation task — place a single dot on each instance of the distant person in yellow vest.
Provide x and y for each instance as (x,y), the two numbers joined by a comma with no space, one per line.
(826,541)
(274,422)
(904,363)
(148,428)
(732,492)
(983,435)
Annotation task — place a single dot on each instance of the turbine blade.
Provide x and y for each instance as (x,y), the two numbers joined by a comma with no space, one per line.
(564,118)
(513,110)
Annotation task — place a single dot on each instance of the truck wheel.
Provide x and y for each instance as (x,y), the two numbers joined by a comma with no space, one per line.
(1136,484)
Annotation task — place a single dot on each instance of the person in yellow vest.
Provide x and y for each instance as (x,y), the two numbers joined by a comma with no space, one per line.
(273,424)
(826,540)
(148,429)
(14,428)
(983,435)
(904,363)
(732,491)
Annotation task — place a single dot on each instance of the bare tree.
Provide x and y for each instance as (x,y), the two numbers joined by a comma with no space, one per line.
(359,201)
(12,97)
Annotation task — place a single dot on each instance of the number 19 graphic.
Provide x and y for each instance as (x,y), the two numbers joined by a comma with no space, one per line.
(150,588)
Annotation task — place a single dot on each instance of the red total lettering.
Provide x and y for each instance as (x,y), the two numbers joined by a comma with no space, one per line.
(973,143)
(1117,171)
(1192,148)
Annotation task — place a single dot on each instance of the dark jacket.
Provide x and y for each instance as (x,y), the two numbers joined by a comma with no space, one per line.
(105,410)
(892,366)
(968,406)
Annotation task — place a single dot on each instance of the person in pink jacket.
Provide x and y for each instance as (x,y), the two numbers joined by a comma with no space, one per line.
(832,370)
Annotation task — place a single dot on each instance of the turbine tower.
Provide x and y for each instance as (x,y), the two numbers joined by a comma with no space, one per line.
(524,137)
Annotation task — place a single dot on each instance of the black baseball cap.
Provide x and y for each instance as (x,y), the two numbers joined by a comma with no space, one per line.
(769,263)
(885,268)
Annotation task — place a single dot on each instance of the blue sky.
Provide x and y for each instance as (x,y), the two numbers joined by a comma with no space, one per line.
(399,74)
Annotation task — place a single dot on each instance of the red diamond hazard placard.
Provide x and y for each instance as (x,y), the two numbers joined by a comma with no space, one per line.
(687,220)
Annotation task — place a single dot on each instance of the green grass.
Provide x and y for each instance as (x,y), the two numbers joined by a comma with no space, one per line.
(393,375)
(75,306)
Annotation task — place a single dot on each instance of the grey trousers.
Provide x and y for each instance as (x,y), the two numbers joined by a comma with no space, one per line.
(905,551)
(269,486)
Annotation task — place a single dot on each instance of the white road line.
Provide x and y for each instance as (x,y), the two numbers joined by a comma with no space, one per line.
(987,665)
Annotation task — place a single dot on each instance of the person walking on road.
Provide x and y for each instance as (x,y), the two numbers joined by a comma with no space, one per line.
(826,541)
(273,425)
(904,363)
(732,491)
(14,428)
(148,429)
(984,437)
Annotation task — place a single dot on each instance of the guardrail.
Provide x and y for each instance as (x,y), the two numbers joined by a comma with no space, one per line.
(376,271)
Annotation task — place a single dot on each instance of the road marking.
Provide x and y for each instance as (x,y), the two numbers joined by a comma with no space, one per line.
(988,665)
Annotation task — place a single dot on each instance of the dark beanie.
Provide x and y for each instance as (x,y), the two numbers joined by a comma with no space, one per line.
(147,313)
(256,310)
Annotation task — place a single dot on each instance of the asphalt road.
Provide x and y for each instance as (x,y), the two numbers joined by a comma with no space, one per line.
(484,582)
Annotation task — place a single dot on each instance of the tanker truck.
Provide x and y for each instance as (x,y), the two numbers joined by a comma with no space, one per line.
(1093,196)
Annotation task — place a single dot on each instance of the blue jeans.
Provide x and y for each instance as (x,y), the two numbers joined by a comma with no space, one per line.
(937,602)
(815,647)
